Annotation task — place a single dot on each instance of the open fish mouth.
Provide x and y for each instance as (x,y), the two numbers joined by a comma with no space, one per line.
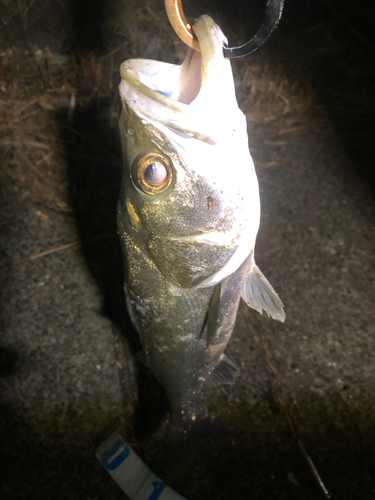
(190,98)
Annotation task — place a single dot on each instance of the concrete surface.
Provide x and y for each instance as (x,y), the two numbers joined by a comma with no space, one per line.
(60,384)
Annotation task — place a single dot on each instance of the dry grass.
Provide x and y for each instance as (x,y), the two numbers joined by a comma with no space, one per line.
(36,88)
(30,142)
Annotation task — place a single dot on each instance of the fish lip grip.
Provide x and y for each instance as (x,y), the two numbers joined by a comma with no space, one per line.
(183,29)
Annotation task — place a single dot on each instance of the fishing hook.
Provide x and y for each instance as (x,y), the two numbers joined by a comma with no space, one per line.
(183,29)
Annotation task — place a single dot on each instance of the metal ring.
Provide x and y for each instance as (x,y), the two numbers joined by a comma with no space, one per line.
(272,18)
(183,29)
(178,21)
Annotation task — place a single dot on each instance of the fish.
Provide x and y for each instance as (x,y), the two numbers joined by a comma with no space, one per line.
(188,217)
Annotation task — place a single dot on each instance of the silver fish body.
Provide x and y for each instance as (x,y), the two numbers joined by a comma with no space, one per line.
(188,216)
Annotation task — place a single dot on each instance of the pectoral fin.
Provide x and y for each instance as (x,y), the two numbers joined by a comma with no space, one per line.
(259,294)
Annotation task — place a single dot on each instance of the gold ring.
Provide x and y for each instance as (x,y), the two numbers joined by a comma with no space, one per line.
(178,21)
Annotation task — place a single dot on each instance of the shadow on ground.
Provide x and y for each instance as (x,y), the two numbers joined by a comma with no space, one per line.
(332,46)
(42,453)
(53,456)
(94,167)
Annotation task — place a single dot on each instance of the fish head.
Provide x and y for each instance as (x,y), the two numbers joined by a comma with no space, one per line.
(190,196)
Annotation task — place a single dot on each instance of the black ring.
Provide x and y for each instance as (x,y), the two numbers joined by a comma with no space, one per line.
(272,18)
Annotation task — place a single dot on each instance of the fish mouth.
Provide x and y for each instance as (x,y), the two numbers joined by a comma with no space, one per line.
(190,97)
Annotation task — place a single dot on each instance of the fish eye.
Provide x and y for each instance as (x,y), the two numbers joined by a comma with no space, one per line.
(152,173)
